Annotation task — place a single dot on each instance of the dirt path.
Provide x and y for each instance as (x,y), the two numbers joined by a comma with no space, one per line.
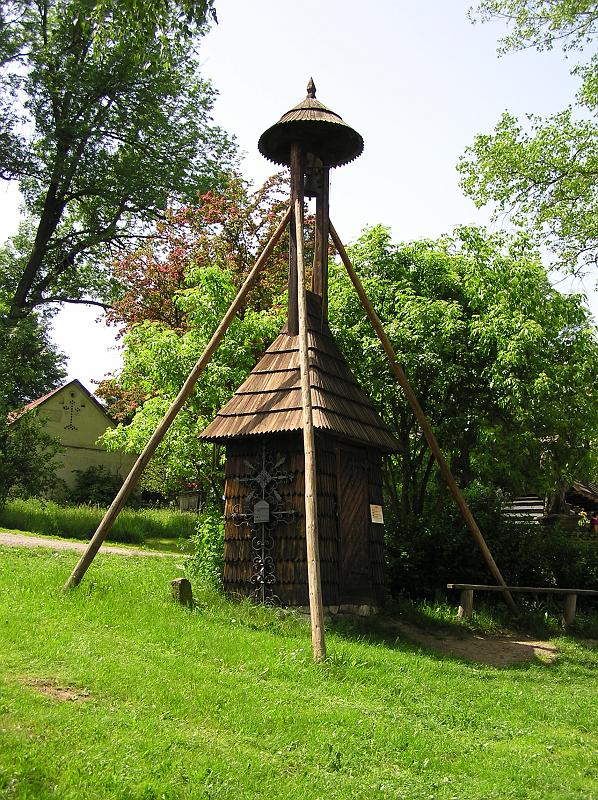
(497,651)
(8,539)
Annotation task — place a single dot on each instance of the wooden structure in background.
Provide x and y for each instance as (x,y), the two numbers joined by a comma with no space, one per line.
(75,417)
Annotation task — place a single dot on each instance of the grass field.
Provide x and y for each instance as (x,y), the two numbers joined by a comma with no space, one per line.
(131,526)
(113,691)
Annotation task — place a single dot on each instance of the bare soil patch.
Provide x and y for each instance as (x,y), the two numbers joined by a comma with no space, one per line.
(57,692)
(496,651)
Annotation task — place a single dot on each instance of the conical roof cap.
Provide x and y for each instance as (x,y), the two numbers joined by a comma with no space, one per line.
(317,129)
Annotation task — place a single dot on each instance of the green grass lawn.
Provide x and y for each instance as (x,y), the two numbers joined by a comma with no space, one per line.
(113,691)
(81,521)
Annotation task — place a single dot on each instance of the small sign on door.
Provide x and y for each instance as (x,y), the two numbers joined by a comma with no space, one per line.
(376,514)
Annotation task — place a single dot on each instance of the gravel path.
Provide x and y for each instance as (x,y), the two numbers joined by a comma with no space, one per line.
(23,540)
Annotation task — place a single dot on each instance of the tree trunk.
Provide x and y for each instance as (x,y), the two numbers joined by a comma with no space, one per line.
(423,485)
(48,223)
(556,500)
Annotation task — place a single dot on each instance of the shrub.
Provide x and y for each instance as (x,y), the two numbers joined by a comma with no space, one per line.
(95,485)
(46,517)
(426,553)
(207,562)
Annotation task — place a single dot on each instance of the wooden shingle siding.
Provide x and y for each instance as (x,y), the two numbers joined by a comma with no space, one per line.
(265,412)
(320,130)
(351,560)
(269,401)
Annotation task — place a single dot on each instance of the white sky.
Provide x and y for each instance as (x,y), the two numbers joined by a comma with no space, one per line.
(416,79)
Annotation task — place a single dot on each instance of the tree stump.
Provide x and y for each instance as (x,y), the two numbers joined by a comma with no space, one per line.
(182,592)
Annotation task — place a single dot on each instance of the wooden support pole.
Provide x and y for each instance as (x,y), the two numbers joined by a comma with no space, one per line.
(465,604)
(296,194)
(316,608)
(322,236)
(132,478)
(569,609)
(422,420)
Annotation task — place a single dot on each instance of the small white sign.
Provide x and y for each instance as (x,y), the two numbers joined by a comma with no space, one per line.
(376,514)
(261,512)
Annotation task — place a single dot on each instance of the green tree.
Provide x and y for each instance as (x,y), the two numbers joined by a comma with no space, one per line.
(157,360)
(30,365)
(26,457)
(502,363)
(105,121)
(176,290)
(544,172)
(570,24)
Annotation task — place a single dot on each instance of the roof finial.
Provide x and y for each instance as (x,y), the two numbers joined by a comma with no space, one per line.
(311,88)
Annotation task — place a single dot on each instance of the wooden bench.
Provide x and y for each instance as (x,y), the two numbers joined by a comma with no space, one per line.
(569,595)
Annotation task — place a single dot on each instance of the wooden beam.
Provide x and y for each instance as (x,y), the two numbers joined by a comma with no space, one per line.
(321,238)
(482,587)
(316,608)
(422,420)
(296,194)
(132,478)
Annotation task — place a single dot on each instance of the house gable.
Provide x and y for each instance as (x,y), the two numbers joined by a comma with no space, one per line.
(73,416)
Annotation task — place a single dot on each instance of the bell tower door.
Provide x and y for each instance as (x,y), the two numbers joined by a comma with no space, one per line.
(353,516)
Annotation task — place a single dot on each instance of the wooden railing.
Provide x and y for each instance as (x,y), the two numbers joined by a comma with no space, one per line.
(569,603)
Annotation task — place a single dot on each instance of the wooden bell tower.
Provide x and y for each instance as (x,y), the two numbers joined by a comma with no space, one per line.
(304,443)
(264,429)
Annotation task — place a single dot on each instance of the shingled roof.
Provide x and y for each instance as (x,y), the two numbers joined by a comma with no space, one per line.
(319,130)
(269,401)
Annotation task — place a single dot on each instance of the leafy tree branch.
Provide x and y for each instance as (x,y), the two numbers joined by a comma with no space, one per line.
(543,173)
(106,122)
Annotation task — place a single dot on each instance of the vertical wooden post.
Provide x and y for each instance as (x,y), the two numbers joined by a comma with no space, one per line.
(422,420)
(322,235)
(465,604)
(316,608)
(569,609)
(296,194)
(132,478)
